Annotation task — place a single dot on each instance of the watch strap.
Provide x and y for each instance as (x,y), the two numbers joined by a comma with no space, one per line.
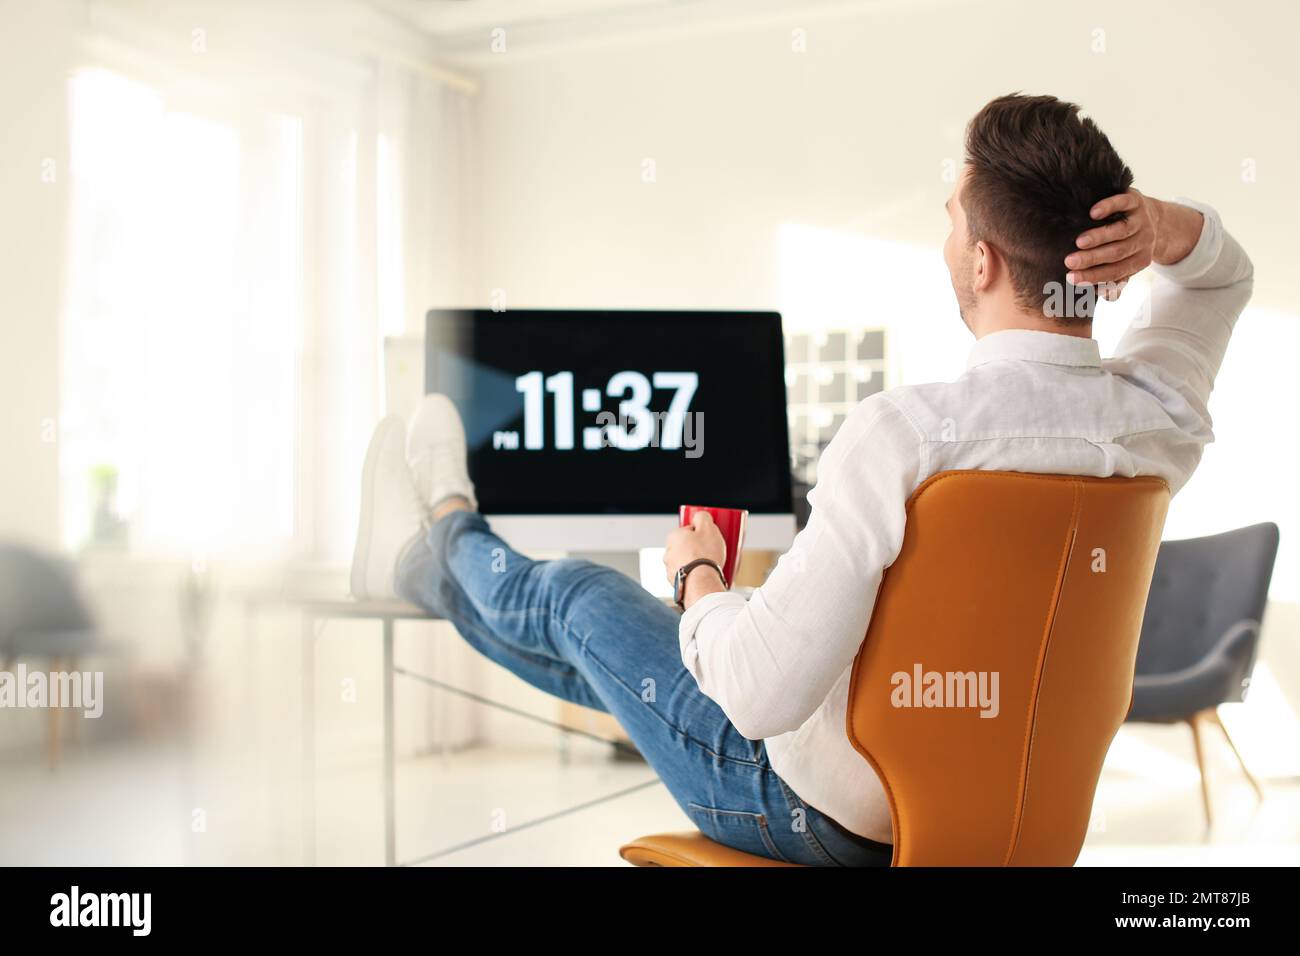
(679,580)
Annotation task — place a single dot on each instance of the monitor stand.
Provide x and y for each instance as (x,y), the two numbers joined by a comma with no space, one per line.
(622,534)
(628,562)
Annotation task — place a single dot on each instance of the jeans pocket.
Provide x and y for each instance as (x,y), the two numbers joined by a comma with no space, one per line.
(843,849)
(738,829)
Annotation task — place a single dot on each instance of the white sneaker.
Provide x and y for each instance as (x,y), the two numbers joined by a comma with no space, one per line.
(391,513)
(435,450)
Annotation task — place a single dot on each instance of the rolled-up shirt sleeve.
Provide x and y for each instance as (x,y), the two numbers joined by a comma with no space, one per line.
(770,661)
(1195,302)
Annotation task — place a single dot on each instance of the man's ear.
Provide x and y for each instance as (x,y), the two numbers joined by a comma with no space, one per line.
(984,267)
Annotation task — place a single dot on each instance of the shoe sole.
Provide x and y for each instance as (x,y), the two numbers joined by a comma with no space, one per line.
(365,525)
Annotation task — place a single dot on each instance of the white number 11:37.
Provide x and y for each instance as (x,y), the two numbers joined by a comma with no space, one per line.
(635,427)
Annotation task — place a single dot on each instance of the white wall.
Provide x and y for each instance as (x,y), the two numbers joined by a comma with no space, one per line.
(34,53)
(852,135)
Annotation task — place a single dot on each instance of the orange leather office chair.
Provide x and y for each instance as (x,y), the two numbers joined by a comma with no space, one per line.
(1041,578)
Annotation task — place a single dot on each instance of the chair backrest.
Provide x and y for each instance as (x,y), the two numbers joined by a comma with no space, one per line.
(1208,596)
(37,594)
(998,664)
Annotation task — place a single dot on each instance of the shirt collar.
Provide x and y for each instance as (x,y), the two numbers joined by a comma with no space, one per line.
(1029,345)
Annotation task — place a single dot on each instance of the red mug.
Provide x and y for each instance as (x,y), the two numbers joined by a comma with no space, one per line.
(731,522)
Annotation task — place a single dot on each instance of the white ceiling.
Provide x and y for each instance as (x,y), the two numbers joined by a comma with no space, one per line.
(451,19)
(460,29)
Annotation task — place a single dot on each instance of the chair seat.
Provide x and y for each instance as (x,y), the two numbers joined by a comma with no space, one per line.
(689,849)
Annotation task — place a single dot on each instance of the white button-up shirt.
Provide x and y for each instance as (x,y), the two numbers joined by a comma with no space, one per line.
(778,664)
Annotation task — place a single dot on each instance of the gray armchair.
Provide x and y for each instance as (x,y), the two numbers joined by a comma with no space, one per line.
(1200,635)
(41,616)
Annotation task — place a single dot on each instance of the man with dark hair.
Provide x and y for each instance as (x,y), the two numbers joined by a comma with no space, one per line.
(745,722)
(1034,168)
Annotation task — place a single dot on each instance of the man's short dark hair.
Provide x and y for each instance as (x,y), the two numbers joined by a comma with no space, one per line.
(1036,167)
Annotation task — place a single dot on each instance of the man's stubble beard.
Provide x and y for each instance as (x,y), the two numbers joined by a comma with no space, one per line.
(961,287)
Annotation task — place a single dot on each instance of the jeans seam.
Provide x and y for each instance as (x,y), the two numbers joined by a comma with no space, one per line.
(560,666)
(793,802)
(582,647)
(764,832)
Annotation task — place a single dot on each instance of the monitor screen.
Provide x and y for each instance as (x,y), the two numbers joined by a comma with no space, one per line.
(616,412)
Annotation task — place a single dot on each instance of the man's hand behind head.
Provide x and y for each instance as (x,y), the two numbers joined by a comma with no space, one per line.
(1111,254)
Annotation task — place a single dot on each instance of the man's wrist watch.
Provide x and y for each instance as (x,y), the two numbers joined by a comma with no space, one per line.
(679,579)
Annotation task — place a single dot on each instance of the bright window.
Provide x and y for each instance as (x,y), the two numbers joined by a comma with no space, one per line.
(182,325)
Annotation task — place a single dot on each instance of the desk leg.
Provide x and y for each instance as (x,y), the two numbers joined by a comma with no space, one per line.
(309,740)
(390,764)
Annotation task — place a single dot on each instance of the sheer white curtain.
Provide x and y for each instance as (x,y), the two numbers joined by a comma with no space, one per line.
(244,232)
(181,315)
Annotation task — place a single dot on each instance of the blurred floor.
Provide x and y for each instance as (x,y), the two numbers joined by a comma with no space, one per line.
(136,805)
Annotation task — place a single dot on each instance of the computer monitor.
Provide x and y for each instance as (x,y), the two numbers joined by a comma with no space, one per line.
(588,428)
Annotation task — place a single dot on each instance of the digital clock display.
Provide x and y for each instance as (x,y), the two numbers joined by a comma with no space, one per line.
(635,425)
(610,412)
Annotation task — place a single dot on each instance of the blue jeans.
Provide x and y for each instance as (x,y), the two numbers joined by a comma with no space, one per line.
(590,635)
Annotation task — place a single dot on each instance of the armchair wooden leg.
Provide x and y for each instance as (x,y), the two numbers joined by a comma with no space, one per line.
(1214,715)
(74,720)
(1194,723)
